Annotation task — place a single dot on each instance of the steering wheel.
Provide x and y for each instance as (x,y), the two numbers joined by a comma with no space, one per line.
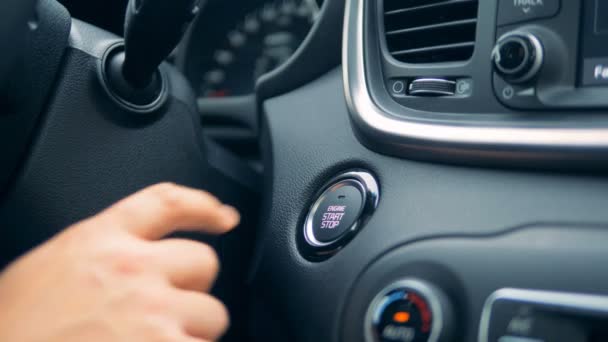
(87,118)
(78,132)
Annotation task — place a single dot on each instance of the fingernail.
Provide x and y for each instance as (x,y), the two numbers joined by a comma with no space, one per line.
(232,214)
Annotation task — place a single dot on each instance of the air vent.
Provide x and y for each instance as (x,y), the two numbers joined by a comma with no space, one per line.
(430,31)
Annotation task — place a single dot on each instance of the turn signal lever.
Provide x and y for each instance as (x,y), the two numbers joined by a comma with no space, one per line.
(152,30)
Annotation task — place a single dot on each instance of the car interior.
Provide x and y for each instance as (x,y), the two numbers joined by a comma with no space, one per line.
(405,170)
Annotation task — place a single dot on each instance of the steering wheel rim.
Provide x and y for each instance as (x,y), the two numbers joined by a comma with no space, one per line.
(14,15)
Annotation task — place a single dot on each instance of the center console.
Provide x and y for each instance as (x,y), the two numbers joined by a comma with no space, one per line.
(458,194)
(430,291)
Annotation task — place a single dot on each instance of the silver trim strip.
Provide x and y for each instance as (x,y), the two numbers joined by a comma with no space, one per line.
(373,123)
(562,301)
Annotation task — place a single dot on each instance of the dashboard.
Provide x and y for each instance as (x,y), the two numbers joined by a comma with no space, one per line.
(503,113)
(230,47)
(431,170)
(455,192)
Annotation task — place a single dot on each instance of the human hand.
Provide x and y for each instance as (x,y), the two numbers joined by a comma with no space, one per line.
(109,278)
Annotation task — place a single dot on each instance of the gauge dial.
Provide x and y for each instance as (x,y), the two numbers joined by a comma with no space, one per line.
(263,39)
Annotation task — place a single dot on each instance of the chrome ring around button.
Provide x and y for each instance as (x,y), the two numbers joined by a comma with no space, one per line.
(370,193)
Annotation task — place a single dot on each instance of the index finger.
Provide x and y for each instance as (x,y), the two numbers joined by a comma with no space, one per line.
(162,209)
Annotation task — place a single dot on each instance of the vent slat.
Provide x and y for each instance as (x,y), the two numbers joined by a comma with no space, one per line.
(433,49)
(433,26)
(427,6)
(430,31)
(390,5)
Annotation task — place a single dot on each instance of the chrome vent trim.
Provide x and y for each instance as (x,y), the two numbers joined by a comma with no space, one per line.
(463,143)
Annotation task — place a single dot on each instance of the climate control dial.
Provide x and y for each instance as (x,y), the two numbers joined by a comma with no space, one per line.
(410,310)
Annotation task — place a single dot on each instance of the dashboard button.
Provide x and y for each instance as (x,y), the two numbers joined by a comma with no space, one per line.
(339,211)
(432,87)
(516,96)
(515,11)
(397,87)
(409,310)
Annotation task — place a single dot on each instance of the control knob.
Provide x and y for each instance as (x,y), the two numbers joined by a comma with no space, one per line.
(410,310)
(518,56)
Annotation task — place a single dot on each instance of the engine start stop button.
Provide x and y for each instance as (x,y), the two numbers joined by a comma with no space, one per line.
(339,211)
